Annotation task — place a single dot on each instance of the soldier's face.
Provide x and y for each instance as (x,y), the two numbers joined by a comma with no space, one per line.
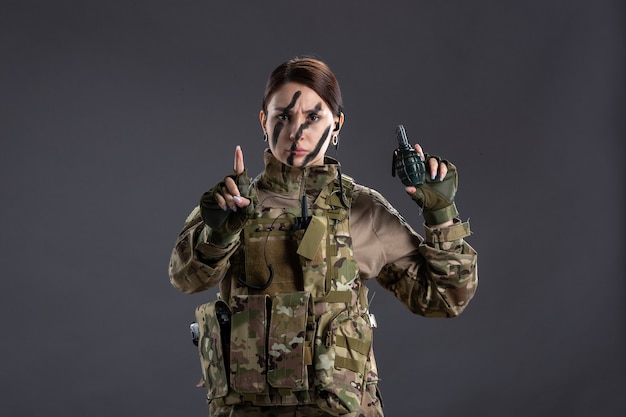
(299,125)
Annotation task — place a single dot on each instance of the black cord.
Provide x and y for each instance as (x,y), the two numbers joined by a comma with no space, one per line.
(342,193)
(270,268)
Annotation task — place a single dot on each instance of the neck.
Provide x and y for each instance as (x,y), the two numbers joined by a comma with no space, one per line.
(282,178)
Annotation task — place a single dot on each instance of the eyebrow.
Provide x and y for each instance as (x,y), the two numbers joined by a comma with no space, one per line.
(316,109)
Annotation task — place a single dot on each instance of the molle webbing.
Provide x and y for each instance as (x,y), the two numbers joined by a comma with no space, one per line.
(308,332)
(269,248)
(325,266)
(247,343)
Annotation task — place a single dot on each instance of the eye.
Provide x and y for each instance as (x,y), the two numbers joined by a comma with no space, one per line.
(283,116)
(314,117)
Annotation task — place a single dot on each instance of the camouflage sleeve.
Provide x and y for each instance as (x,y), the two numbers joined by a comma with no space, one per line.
(194,264)
(447,280)
(434,276)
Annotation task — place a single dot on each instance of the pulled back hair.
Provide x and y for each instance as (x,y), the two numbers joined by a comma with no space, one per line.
(311,72)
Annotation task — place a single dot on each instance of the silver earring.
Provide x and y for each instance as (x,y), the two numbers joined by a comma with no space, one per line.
(334,140)
(264,136)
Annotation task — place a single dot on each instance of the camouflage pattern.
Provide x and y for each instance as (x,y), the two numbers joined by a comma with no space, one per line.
(371,407)
(211,348)
(318,339)
(305,341)
(247,343)
(342,352)
(452,274)
(290,341)
(195,265)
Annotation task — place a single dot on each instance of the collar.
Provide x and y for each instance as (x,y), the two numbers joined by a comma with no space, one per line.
(281,178)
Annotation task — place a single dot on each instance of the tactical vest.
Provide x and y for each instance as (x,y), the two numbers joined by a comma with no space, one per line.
(291,324)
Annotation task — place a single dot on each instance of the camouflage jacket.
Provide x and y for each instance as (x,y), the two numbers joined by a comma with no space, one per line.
(323,304)
(434,276)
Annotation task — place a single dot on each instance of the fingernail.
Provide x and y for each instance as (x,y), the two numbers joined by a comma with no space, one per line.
(237,199)
(234,208)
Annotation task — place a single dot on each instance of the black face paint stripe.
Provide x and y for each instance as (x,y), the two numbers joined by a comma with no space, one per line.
(305,125)
(294,145)
(279,126)
(318,147)
(294,99)
(277,129)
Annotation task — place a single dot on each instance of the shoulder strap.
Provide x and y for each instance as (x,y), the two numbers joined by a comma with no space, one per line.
(347,183)
(340,193)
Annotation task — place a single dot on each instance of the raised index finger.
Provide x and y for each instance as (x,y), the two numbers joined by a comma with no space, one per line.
(239,167)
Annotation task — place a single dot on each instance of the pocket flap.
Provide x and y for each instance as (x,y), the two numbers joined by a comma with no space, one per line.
(247,343)
(211,346)
(289,341)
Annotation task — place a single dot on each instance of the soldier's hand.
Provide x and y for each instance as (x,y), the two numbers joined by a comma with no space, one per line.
(436,194)
(234,192)
(226,207)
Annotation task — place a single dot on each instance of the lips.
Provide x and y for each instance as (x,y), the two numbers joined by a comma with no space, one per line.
(298,152)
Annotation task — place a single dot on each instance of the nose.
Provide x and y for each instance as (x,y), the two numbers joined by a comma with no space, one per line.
(296,128)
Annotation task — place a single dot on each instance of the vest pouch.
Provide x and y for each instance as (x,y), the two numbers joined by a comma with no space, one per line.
(290,340)
(248,338)
(214,325)
(342,347)
(268,242)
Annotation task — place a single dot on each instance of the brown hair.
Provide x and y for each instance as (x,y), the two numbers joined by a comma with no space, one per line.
(311,72)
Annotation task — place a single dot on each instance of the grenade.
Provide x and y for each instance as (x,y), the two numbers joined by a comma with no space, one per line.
(406,162)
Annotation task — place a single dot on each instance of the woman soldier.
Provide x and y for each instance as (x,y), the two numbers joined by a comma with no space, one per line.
(290,333)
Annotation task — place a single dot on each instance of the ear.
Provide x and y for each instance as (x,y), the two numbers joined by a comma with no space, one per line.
(338,122)
(263,120)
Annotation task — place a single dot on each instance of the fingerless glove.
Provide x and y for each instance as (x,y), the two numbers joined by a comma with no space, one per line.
(225,225)
(437,197)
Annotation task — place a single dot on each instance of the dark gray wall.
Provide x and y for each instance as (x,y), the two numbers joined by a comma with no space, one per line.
(116,115)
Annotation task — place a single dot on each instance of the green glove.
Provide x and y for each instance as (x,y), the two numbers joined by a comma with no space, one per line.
(226,224)
(436,197)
